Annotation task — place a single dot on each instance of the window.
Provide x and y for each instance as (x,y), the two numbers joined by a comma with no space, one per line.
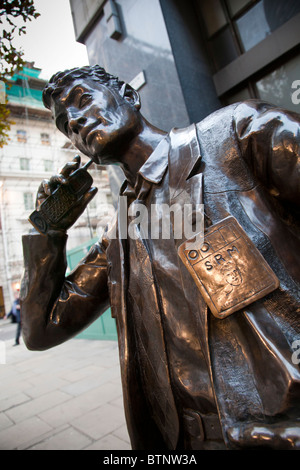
(253,26)
(224,48)
(213,15)
(278,12)
(277,87)
(241,39)
(235,6)
(48,165)
(222,44)
(21,136)
(45,139)
(233,27)
(24,164)
(28,201)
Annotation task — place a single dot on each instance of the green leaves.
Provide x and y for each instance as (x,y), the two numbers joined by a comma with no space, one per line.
(11,12)
(4,124)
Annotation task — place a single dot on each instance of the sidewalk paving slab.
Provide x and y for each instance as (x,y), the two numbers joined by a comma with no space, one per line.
(65,398)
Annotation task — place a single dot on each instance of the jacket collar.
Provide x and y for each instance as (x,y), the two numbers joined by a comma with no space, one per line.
(182,168)
(154,168)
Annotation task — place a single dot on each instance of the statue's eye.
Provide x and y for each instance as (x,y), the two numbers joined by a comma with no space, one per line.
(84,99)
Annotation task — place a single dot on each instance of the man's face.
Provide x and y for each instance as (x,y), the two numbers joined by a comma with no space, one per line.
(97,120)
(234,277)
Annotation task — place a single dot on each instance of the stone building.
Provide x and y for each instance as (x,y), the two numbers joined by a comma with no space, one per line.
(35,151)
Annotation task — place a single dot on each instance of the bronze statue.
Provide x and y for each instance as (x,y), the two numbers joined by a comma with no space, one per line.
(206,331)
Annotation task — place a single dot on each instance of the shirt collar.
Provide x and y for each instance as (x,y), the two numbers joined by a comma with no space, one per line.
(153,169)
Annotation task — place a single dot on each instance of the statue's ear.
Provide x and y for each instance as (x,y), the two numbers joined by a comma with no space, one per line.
(130,95)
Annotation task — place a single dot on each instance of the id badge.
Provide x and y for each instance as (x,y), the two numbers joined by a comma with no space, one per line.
(228,269)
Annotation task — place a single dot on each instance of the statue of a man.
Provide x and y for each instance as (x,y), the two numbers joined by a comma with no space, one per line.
(207,335)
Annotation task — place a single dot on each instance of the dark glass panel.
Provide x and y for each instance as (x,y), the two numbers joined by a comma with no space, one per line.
(224,49)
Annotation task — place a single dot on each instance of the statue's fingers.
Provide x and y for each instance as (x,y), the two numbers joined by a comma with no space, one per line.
(55,181)
(46,188)
(71,166)
(41,192)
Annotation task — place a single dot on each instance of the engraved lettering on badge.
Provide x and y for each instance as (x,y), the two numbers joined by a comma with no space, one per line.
(228,269)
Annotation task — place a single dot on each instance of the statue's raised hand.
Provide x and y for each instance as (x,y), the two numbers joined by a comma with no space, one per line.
(70,193)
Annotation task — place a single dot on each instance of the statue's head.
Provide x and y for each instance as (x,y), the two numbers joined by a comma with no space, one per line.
(94,109)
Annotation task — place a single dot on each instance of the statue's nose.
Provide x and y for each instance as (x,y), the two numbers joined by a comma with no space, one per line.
(76,124)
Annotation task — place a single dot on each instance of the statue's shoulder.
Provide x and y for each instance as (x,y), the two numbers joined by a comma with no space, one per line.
(229,120)
(233,112)
(216,133)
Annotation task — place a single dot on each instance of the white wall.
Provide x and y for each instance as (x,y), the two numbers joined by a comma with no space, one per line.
(15,182)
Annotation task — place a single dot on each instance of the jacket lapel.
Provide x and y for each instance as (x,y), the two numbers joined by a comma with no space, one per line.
(148,329)
(186,187)
(185,177)
(184,161)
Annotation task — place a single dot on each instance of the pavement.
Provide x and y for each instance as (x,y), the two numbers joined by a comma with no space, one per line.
(65,398)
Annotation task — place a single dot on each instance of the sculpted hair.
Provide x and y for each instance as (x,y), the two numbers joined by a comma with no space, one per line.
(58,81)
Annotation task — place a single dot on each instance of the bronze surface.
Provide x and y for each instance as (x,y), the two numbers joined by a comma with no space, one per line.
(191,380)
(228,269)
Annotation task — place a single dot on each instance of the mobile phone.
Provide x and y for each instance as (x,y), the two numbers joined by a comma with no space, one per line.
(61,201)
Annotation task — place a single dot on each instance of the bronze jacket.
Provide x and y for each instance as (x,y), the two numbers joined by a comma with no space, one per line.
(241,161)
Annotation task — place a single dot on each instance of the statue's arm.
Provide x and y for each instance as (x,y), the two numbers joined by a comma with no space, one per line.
(54,308)
(269,138)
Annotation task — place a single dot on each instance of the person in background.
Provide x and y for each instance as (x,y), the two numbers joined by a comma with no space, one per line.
(16,317)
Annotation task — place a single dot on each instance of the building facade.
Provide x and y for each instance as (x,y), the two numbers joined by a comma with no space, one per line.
(37,150)
(189,58)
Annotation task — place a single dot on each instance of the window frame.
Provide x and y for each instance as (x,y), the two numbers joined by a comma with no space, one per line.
(22,136)
(27,165)
(28,197)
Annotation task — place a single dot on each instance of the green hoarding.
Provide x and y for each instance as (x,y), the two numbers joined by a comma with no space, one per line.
(103,328)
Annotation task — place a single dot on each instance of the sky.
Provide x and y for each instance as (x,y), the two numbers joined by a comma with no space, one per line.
(50,39)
